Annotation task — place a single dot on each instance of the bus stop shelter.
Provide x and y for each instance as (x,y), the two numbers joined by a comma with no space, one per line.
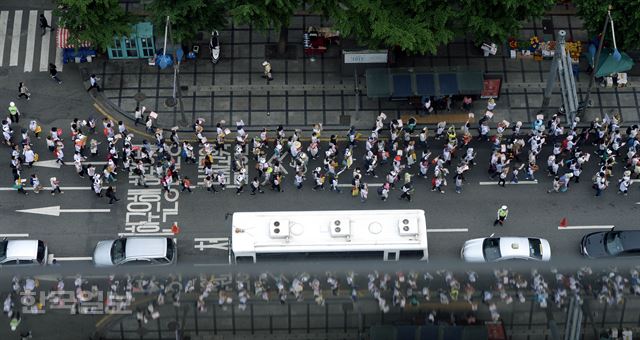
(411,82)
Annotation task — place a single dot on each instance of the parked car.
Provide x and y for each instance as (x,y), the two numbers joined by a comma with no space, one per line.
(611,243)
(23,252)
(136,250)
(492,249)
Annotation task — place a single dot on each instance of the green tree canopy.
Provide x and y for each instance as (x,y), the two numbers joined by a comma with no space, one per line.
(266,14)
(626,20)
(188,17)
(421,26)
(96,21)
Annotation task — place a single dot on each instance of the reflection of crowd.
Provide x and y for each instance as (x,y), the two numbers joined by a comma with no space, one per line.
(143,296)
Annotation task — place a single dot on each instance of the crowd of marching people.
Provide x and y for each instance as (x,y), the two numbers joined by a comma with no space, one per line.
(390,290)
(442,155)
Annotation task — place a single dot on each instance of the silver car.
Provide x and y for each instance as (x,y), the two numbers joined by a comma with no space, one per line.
(492,249)
(23,252)
(136,250)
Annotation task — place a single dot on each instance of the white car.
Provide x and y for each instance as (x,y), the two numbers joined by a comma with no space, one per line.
(135,250)
(23,252)
(492,249)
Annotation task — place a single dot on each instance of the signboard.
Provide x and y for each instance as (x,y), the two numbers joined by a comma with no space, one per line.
(366,57)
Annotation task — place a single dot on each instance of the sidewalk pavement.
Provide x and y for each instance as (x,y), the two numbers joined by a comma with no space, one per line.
(305,92)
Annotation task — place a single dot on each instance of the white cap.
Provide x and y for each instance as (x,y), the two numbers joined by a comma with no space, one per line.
(265,63)
(504,207)
(12,104)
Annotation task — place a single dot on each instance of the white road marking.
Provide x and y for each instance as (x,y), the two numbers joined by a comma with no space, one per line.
(452,230)
(15,38)
(31,41)
(585,227)
(373,185)
(144,234)
(44,49)
(509,183)
(4,22)
(51,163)
(50,188)
(210,264)
(635,181)
(59,55)
(55,210)
(85,258)
(220,243)
(14,235)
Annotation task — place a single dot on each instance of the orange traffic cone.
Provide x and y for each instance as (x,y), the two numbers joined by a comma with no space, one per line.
(175,229)
(563,222)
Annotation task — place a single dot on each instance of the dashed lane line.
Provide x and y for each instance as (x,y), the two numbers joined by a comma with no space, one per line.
(585,227)
(509,183)
(450,230)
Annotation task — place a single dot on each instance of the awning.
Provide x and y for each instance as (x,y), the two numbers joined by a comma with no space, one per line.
(403,83)
(63,36)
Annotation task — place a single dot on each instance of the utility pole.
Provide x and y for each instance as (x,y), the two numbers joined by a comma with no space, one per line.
(561,67)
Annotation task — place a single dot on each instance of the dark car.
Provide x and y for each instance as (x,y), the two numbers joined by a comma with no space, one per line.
(611,243)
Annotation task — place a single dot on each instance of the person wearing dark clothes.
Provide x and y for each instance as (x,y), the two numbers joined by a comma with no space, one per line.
(111,194)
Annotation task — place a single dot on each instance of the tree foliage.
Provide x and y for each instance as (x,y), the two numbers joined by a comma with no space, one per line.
(96,21)
(188,17)
(626,19)
(421,26)
(264,14)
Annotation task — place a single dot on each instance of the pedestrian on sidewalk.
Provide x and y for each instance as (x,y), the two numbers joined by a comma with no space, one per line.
(93,80)
(53,72)
(267,71)
(23,91)
(55,186)
(44,24)
(14,113)
(503,212)
(111,194)
(255,186)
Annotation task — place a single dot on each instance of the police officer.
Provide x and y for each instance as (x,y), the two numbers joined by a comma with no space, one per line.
(503,212)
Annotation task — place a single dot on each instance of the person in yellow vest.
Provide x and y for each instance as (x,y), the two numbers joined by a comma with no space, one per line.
(14,113)
(503,212)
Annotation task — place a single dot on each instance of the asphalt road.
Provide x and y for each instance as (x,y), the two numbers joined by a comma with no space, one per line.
(201,215)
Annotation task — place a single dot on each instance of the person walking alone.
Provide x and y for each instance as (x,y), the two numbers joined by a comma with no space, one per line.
(23,91)
(14,113)
(44,24)
(267,70)
(93,80)
(503,212)
(53,72)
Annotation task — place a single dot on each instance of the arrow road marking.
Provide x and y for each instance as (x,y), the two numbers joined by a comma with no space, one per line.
(50,188)
(145,234)
(586,227)
(281,159)
(51,163)
(220,243)
(87,258)
(14,235)
(55,210)
(509,183)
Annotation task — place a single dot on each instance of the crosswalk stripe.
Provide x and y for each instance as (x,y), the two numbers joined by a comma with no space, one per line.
(31,41)
(15,38)
(44,50)
(4,21)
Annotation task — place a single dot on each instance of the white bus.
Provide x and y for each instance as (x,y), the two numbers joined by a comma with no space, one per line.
(380,234)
